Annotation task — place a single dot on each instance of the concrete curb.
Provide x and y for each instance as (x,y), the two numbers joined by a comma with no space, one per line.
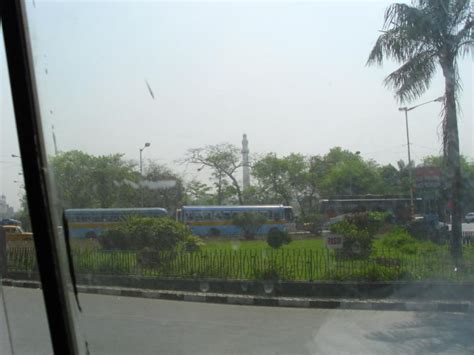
(380,305)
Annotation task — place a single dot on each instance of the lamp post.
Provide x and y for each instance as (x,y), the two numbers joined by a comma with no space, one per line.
(141,172)
(410,174)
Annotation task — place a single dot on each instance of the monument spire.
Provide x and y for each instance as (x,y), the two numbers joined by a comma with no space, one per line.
(245,163)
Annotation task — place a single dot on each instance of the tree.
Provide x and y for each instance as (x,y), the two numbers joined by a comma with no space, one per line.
(344,173)
(285,180)
(84,180)
(421,37)
(249,222)
(197,193)
(162,187)
(467,181)
(391,180)
(224,160)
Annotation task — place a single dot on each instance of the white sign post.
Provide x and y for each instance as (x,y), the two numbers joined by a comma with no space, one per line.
(333,241)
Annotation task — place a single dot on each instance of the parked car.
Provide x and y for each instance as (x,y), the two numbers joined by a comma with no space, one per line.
(469,217)
(13,232)
(10,221)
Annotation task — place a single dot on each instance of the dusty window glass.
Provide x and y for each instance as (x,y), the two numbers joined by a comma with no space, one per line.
(338,127)
(23,322)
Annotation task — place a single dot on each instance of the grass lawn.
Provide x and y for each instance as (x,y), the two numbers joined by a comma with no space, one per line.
(304,260)
(308,244)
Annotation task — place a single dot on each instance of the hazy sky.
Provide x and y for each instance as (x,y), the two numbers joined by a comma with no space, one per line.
(290,75)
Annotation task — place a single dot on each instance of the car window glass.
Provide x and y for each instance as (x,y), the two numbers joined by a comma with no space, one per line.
(318,169)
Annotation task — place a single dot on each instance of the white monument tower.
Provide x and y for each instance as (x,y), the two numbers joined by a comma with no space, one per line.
(245,163)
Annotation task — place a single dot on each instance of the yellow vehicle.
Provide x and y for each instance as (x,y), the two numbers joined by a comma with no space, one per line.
(16,233)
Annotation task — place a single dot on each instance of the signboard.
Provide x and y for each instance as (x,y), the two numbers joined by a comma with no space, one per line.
(427,177)
(333,241)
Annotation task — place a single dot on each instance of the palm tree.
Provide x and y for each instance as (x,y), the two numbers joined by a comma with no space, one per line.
(428,34)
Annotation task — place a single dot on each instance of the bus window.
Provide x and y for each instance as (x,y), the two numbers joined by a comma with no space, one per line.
(269,215)
(277,215)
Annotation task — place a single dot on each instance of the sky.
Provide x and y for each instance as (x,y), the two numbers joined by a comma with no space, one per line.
(291,75)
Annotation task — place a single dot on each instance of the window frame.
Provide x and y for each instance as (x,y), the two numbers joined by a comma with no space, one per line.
(50,250)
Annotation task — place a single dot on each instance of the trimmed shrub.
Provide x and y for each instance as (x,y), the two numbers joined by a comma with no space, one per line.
(357,242)
(426,231)
(358,230)
(138,233)
(192,243)
(115,239)
(399,239)
(249,223)
(276,238)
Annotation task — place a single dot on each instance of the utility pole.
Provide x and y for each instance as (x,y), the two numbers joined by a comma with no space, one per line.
(141,173)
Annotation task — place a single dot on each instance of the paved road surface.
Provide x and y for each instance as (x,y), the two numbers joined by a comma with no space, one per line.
(116,325)
(467,227)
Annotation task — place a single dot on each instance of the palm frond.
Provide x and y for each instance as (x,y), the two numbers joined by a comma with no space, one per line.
(460,12)
(407,31)
(413,78)
(399,44)
(464,39)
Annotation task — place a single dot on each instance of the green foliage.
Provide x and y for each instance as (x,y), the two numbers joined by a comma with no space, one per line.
(88,181)
(276,238)
(137,233)
(249,223)
(283,178)
(467,185)
(313,222)
(372,273)
(379,218)
(193,243)
(346,173)
(400,240)
(85,180)
(115,239)
(223,160)
(357,242)
(170,197)
(198,193)
(422,37)
(425,231)
(358,230)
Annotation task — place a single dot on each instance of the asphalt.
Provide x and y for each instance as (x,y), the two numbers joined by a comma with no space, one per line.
(131,325)
(389,304)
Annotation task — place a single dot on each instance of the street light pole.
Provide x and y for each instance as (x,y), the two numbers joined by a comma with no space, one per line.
(410,172)
(141,172)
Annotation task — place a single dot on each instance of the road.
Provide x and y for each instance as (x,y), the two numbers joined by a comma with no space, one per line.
(467,227)
(120,325)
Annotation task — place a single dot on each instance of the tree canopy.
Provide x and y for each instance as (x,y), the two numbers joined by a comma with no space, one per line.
(421,37)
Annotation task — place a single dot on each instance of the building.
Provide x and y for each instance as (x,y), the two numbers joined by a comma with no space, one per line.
(5,210)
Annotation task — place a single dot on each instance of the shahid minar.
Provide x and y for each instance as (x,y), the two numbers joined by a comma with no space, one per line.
(245,163)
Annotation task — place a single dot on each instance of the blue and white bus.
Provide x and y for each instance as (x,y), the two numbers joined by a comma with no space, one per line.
(217,220)
(91,222)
